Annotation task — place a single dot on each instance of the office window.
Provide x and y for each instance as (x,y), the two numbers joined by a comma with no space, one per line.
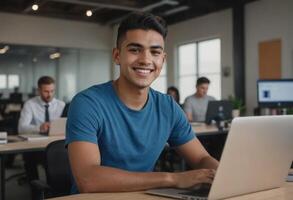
(3,81)
(200,59)
(13,81)
(160,84)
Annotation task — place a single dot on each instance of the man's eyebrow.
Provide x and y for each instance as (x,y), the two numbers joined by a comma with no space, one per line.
(141,46)
(134,45)
(157,47)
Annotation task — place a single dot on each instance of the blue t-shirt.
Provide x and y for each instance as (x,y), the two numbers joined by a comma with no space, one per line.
(127,139)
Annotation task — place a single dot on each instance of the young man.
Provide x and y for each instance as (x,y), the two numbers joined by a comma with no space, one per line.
(195,106)
(117,130)
(35,118)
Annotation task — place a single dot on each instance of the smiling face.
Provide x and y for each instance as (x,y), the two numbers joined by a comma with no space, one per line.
(140,56)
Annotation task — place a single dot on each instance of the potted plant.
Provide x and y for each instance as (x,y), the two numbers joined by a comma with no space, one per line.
(238,106)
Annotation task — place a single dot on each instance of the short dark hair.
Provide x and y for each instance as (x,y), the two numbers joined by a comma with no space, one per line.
(144,21)
(202,80)
(45,80)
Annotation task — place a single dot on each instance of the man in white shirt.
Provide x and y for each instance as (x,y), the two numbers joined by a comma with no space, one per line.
(35,118)
(38,111)
(195,106)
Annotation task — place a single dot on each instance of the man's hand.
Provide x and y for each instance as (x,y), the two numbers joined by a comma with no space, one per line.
(44,128)
(193,178)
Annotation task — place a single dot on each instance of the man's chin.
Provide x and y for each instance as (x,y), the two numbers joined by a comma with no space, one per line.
(143,85)
(47,100)
(140,84)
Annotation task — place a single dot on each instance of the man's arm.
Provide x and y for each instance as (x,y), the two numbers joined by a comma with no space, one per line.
(187,107)
(90,176)
(24,124)
(189,116)
(196,155)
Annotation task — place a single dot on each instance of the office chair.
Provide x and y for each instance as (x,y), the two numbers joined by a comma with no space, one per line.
(58,172)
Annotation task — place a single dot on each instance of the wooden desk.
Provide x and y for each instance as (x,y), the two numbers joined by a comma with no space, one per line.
(19,146)
(201,129)
(283,193)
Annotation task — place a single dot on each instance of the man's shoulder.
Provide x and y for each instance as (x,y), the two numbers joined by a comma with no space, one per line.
(95,93)
(96,90)
(190,98)
(163,101)
(211,98)
(59,102)
(159,95)
(32,100)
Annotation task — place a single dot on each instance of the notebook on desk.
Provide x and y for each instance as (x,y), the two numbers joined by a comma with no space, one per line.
(33,137)
(257,156)
(57,127)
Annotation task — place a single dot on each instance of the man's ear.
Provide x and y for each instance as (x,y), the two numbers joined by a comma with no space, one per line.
(116,56)
(165,57)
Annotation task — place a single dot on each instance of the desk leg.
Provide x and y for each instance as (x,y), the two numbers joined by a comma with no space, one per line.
(2,177)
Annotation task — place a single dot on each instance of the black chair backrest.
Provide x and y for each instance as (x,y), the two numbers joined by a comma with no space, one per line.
(58,168)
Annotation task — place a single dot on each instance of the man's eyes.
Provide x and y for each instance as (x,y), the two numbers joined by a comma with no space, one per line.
(134,50)
(138,50)
(156,52)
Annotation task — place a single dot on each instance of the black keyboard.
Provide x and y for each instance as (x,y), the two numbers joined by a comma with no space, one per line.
(199,193)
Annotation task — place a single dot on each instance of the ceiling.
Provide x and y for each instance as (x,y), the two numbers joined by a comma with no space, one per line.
(109,12)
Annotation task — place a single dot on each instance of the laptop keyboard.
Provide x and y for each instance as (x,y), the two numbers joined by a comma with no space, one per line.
(200,193)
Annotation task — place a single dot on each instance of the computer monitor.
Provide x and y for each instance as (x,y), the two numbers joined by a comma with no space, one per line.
(275,93)
(219,110)
(65,110)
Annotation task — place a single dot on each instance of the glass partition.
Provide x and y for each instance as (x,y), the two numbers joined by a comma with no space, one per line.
(73,69)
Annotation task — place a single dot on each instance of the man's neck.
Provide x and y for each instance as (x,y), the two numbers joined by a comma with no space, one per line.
(133,97)
(198,95)
(45,102)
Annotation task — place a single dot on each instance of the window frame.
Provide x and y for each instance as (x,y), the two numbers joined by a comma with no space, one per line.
(197,70)
(7,84)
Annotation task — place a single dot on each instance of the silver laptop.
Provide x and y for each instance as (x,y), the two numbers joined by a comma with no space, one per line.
(257,156)
(57,126)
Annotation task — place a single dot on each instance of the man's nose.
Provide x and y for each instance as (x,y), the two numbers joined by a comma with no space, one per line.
(145,58)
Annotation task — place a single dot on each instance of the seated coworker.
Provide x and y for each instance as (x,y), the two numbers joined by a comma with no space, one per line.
(38,111)
(174,92)
(117,130)
(195,106)
(35,118)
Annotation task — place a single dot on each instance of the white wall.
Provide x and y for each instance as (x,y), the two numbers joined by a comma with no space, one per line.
(23,29)
(215,25)
(94,68)
(266,20)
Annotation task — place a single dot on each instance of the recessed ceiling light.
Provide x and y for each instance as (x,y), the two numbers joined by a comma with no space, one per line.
(89,13)
(55,55)
(35,7)
(4,49)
